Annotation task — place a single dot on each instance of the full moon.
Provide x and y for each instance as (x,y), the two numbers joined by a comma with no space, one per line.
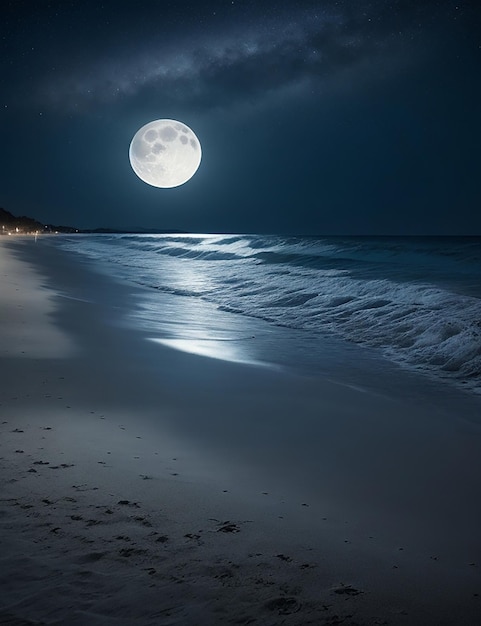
(165,153)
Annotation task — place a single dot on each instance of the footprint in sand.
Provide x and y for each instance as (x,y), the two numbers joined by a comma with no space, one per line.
(192,536)
(61,466)
(128,552)
(228,527)
(143,521)
(347,590)
(283,606)
(128,503)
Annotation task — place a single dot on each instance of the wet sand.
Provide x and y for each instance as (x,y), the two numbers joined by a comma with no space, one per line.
(143,485)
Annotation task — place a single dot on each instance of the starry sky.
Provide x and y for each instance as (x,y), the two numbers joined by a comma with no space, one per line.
(326,117)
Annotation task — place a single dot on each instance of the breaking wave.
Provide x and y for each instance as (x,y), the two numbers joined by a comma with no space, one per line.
(417,300)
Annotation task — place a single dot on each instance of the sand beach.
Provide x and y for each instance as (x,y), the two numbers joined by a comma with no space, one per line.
(145,485)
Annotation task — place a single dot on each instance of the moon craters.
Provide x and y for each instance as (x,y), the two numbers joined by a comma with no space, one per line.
(158,147)
(168,133)
(151,135)
(165,153)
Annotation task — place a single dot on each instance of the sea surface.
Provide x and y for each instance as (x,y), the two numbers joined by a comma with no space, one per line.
(415,301)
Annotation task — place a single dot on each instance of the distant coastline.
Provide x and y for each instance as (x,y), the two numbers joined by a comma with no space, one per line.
(23,225)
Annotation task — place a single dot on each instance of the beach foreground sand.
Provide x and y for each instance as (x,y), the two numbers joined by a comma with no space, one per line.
(142,485)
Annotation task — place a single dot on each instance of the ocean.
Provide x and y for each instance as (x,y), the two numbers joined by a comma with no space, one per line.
(414,302)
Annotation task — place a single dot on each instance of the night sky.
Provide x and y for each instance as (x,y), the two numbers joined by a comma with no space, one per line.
(325,117)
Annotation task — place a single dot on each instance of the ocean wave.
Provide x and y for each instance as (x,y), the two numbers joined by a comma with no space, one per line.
(418,301)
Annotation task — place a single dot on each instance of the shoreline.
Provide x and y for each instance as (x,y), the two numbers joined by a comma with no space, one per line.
(131,423)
